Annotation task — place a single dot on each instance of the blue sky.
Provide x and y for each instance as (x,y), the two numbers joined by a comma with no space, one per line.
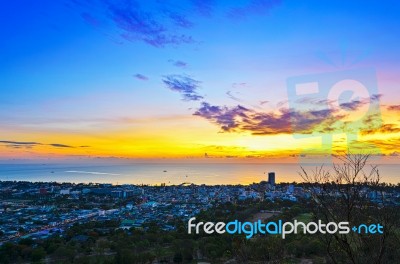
(84,65)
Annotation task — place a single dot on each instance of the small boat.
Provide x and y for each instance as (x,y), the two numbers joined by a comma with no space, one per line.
(165,171)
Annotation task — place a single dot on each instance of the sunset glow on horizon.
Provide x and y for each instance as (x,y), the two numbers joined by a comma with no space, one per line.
(195,80)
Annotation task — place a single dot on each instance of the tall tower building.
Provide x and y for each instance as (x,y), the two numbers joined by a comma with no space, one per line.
(271,178)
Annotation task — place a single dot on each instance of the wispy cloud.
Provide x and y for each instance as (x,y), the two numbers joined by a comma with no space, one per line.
(203,7)
(60,145)
(29,144)
(141,77)
(237,96)
(157,25)
(179,19)
(282,121)
(229,94)
(19,142)
(384,129)
(239,85)
(353,105)
(178,63)
(161,23)
(93,173)
(184,85)
(389,146)
(254,7)
(229,119)
(311,101)
(393,107)
(138,24)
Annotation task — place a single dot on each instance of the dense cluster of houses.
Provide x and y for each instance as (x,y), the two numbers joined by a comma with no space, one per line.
(38,210)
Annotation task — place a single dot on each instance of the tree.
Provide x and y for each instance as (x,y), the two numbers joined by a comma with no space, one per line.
(38,254)
(64,253)
(344,194)
(178,257)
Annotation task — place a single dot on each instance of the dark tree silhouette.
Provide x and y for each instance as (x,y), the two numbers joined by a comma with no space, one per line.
(351,192)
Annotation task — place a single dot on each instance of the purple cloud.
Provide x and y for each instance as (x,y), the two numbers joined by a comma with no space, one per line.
(203,7)
(351,106)
(179,20)
(159,23)
(178,63)
(184,85)
(357,103)
(283,121)
(313,119)
(227,118)
(137,24)
(230,95)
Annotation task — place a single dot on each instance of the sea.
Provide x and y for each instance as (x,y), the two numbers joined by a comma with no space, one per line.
(168,173)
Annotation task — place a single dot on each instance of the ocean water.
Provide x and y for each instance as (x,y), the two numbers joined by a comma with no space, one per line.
(169,173)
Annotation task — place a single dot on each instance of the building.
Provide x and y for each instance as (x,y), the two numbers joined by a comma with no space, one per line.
(65,191)
(290,189)
(123,193)
(271,178)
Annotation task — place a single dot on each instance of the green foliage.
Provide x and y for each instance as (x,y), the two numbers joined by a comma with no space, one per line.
(38,254)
